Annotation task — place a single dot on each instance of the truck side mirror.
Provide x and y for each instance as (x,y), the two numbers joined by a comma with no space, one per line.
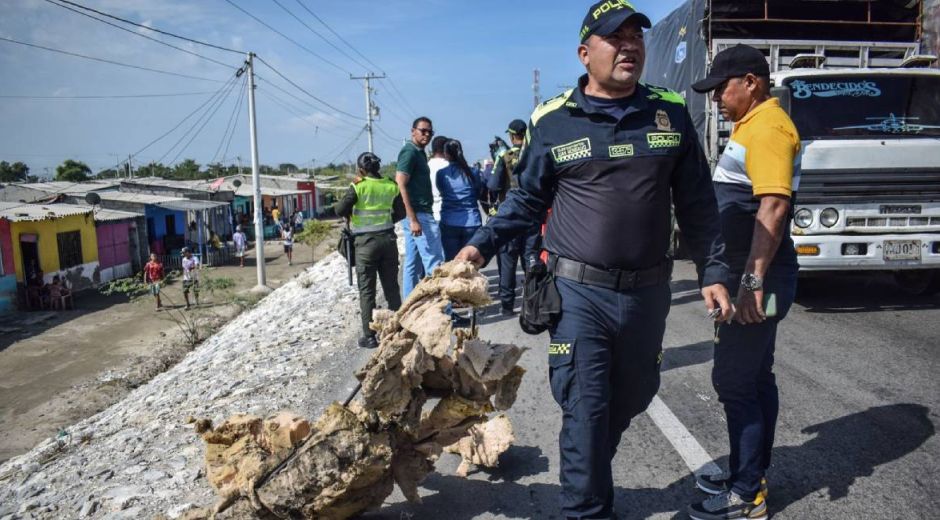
(782,94)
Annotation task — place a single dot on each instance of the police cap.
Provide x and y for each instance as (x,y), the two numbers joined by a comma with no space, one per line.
(517,127)
(604,18)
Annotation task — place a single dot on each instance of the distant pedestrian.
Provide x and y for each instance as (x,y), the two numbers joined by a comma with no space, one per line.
(190,265)
(153,275)
(460,189)
(287,234)
(241,245)
(422,235)
(276,215)
(298,221)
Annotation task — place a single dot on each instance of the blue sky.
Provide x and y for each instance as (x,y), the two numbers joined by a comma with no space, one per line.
(467,65)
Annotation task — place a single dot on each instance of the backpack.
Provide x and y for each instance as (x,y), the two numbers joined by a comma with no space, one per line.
(511,159)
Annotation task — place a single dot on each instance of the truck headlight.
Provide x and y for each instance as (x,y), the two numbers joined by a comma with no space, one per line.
(803,218)
(829,217)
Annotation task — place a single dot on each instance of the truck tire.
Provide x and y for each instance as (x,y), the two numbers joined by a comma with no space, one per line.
(919,282)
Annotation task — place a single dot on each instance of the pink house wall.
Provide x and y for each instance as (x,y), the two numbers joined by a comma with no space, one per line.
(6,247)
(113,245)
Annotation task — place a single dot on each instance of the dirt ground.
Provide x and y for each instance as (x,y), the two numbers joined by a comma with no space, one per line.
(57,368)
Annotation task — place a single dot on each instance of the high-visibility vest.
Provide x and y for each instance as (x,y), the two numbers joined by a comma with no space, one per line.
(373,209)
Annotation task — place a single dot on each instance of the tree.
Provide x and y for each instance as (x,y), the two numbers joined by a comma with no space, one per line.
(16,172)
(72,171)
(188,169)
(286,168)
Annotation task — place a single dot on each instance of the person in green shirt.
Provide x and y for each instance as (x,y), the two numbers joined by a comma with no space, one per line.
(423,250)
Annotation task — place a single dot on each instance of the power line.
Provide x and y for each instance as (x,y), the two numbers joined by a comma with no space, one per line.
(338,35)
(238,114)
(231,118)
(142,26)
(392,139)
(191,114)
(404,100)
(112,62)
(301,100)
(286,37)
(311,29)
(215,108)
(125,96)
(135,33)
(350,145)
(298,87)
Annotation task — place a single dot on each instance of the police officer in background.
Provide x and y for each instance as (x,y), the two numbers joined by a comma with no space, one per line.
(373,204)
(526,246)
(605,157)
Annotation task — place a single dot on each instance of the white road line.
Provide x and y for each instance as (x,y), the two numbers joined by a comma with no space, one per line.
(696,458)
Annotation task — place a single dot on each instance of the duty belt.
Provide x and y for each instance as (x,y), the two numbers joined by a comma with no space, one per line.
(616,279)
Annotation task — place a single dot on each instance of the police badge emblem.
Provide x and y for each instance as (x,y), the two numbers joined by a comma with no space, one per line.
(663,124)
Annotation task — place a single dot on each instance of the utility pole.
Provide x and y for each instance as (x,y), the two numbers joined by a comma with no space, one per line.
(130,167)
(262,286)
(535,87)
(370,108)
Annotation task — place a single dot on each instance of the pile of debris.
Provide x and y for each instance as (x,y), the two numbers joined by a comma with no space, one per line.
(426,389)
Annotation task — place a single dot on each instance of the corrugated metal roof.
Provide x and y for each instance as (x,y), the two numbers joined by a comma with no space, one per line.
(68,188)
(202,185)
(109,215)
(17,212)
(174,203)
(247,190)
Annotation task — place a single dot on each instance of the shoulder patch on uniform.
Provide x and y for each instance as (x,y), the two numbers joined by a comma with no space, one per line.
(550,106)
(665,94)
(580,149)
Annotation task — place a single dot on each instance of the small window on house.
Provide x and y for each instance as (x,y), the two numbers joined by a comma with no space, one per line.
(70,249)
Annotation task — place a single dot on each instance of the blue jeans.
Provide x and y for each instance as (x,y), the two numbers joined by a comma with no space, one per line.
(453,238)
(423,252)
(604,361)
(744,380)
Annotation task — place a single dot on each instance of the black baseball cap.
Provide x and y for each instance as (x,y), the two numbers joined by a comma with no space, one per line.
(604,18)
(733,62)
(517,127)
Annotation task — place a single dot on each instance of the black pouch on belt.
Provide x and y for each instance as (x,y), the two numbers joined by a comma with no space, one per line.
(347,246)
(541,302)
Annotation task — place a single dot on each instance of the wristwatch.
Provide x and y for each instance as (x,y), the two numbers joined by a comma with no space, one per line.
(750,282)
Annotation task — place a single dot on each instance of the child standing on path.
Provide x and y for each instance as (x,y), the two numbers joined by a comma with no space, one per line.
(287,233)
(241,244)
(190,276)
(153,274)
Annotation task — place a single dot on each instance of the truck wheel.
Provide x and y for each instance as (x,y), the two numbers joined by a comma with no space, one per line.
(919,282)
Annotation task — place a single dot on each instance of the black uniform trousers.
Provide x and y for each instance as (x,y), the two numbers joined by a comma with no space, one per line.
(604,361)
(523,249)
(376,255)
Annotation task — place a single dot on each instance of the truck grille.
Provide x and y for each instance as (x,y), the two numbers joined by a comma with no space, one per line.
(890,222)
(833,186)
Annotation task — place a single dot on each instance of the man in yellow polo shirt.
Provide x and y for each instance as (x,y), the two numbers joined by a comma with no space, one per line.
(754,182)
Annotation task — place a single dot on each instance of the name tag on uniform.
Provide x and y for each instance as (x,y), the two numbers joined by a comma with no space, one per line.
(580,149)
(620,150)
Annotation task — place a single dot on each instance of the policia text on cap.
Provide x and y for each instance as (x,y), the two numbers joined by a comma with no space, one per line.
(605,157)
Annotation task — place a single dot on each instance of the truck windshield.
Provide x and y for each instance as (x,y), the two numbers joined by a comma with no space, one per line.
(877,105)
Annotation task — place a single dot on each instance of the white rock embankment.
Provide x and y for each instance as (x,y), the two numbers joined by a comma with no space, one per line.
(138,459)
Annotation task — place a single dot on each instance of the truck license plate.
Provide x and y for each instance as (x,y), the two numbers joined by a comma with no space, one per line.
(902,250)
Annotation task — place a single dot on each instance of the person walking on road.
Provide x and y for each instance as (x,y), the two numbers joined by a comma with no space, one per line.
(754,181)
(241,244)
(460,188)
(287,235)
(523,249)
(373,204)
(153,275)
(422,236)
(190,265)
(608,157)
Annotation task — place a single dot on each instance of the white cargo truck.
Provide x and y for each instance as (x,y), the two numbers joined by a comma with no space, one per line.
(868,114)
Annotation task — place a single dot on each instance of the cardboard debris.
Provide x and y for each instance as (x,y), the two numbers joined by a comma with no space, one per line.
(426,388)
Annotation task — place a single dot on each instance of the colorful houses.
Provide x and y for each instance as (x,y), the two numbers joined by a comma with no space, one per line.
(48,240)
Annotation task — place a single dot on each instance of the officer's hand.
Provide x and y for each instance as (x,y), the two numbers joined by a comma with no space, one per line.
(716,297)
(415,228)
(750,307)
(471,254)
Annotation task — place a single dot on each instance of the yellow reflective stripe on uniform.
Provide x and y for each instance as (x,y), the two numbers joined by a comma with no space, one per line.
(665,94)
(550,106)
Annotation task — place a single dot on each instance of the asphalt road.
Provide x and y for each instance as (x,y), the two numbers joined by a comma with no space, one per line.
(857,366)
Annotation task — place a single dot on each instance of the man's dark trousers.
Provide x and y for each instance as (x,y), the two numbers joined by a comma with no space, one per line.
(522,249)
(376,254)
(604,361)
(744,380)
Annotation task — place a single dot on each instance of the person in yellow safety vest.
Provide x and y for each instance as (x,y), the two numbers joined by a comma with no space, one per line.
(373,204)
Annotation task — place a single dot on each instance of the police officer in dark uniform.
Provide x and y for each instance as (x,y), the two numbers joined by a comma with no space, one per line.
(373,204)
(526,246)
(605,157)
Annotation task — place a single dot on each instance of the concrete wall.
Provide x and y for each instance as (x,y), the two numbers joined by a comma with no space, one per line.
(81,276)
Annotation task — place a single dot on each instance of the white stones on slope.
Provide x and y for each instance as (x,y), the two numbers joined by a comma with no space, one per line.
(138,458)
